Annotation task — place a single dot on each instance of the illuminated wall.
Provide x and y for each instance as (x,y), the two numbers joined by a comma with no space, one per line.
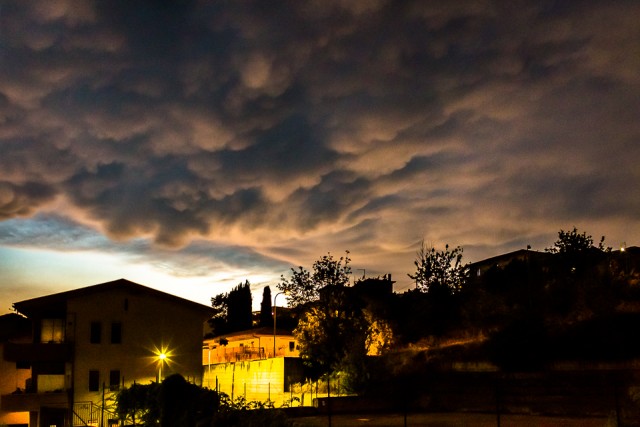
(248,345)
(255,380)
(134,328)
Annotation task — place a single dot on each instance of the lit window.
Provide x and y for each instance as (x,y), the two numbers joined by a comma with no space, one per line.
(52,331)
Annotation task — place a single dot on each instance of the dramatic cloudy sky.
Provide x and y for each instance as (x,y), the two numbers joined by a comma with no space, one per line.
(190,145)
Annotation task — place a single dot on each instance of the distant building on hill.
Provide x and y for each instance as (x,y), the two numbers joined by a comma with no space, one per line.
(257,364)
(374,287)
(479,268)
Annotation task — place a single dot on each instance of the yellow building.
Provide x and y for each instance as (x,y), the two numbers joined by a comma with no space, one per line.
(243,364)
(90,342)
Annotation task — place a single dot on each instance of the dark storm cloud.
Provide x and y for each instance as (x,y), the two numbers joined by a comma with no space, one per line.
(160,198)
(305,125)
(291,148)
(23,199)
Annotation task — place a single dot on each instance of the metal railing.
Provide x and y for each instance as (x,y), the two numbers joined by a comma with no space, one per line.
(90,414)
(85,414)
(237,354)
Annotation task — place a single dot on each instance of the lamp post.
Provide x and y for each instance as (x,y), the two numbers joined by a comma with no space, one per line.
(161,357)
(274,321)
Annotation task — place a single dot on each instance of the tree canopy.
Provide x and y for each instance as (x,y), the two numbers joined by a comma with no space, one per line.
(439,270)
(571,242)
(232,310)
(338,332)
(304,286)
(174,402)
(266,316)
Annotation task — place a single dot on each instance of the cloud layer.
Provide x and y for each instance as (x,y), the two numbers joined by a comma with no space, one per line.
(289,129)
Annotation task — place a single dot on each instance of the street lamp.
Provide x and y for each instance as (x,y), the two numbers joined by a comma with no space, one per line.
(161,357)
(274,320)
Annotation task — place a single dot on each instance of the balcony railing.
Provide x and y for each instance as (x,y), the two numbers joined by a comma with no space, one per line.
(239,354)
(38,352)
(23,402)
(91,414)
(235,354)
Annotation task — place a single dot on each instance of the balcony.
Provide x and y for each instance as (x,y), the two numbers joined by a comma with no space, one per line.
(23,402)
(39,352)
(233,354)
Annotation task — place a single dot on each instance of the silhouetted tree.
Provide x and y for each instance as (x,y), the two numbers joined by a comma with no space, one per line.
(239,308)
(304,286)
(218,321)
(337,333)
(183,404)
(335,329)
(433,309)
(174,402)
(139,404)
(575,277)
(572,242)
(266,315)
(232,311)
(439,271)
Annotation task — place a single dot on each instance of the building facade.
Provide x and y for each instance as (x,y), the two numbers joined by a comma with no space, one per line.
(89,343)
(257,364)
(15,329)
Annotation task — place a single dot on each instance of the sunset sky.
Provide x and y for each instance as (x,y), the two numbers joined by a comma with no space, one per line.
(192,145)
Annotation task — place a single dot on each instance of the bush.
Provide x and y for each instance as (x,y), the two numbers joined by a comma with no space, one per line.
(178,403)
(523,345)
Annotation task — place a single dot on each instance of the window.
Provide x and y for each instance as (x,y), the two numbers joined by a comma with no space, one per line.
(94,380)
(52,331)
(292,345)
(116,333)
(114,380)
(96,333)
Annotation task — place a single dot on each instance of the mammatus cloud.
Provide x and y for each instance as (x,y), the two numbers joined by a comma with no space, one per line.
(23,199)
(291,129)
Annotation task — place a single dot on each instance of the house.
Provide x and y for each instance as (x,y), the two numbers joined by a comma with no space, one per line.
(479,268)
(14,328)
(258,364)
(88,343)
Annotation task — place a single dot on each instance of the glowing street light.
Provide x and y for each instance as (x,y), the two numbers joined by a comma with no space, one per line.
(161,357)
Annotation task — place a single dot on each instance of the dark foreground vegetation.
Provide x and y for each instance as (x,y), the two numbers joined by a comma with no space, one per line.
(578,301)
(178,403)
(554,332)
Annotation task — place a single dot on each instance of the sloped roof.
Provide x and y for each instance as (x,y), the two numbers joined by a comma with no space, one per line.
(508,257)
(57,302)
